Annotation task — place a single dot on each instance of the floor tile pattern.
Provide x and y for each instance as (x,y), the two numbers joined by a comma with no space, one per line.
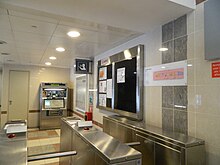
(42,142)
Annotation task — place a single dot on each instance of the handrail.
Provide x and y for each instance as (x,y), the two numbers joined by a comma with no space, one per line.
(53,155)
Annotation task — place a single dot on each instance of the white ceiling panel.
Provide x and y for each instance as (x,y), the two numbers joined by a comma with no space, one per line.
(3,11)
(30,37)
(36,28)
(66,42)
(31,26)
(30,52)
(4,22)
(52,52)
(6,35)
(33,17)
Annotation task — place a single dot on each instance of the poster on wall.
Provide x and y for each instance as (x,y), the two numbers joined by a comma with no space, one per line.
(109,88)
(102,87)
(103,73)
(171,74)
(102,100)
(121,75)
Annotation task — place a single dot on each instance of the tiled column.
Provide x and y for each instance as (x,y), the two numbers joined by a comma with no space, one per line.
(174,98)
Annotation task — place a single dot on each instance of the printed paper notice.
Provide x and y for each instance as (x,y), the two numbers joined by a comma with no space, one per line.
(121,75)
(109,88)
(102,100)
(103,73)
(102,86)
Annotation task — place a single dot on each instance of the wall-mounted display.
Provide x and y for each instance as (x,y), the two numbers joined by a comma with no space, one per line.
(120,82)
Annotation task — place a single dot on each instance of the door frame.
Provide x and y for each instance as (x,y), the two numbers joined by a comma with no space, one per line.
(9,90)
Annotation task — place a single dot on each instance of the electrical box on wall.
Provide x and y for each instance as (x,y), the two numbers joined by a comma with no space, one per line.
(212,29)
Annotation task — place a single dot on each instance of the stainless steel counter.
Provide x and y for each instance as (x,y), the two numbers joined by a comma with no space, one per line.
(157,146)
(13,151)
(177,138)
(108,148)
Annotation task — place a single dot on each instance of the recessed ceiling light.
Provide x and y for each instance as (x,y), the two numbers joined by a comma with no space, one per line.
(60,49)
(73,34)
(163,49)
(189,65)
(52,58)
(3,42)
(47,63)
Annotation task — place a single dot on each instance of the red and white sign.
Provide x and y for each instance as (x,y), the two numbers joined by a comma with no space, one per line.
(216,70)
(171,74)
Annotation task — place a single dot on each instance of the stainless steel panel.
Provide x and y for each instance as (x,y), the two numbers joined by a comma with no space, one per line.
(196,155)
(166,156)
(65,141)
(146,148)
(119,131)
(13,151)
(85,155)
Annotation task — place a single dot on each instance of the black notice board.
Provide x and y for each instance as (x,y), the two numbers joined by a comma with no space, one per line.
(109,76)
(125,92)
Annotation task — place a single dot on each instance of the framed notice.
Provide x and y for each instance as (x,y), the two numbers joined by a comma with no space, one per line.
(103,73)
(171,74)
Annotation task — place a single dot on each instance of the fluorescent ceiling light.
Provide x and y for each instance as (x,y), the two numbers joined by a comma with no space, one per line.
(52,58)
(60,49)
(73,34)
(127,54)
(47,63)
(163,49)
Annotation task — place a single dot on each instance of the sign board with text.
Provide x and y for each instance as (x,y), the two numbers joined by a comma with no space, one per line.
(216,70)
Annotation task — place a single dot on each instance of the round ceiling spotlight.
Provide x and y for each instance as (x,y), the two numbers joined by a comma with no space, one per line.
(60,49)
(48,63)
(52,58)
(73,34)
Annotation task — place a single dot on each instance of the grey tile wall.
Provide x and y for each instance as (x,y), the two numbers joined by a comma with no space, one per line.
(167,119)
(180,27)
(174,37)
(174,98)
(168,31)
(168,56)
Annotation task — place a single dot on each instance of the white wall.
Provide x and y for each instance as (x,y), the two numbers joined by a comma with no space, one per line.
(37,75)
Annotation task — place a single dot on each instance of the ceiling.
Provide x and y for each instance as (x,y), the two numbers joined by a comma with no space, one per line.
(33,29)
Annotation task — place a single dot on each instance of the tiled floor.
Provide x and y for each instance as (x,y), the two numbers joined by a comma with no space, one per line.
(42,142)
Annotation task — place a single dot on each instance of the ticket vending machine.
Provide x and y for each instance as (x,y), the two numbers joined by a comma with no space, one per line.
(53,104)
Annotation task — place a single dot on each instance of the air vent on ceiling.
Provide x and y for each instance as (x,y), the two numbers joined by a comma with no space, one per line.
(3,42)
(5,54)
